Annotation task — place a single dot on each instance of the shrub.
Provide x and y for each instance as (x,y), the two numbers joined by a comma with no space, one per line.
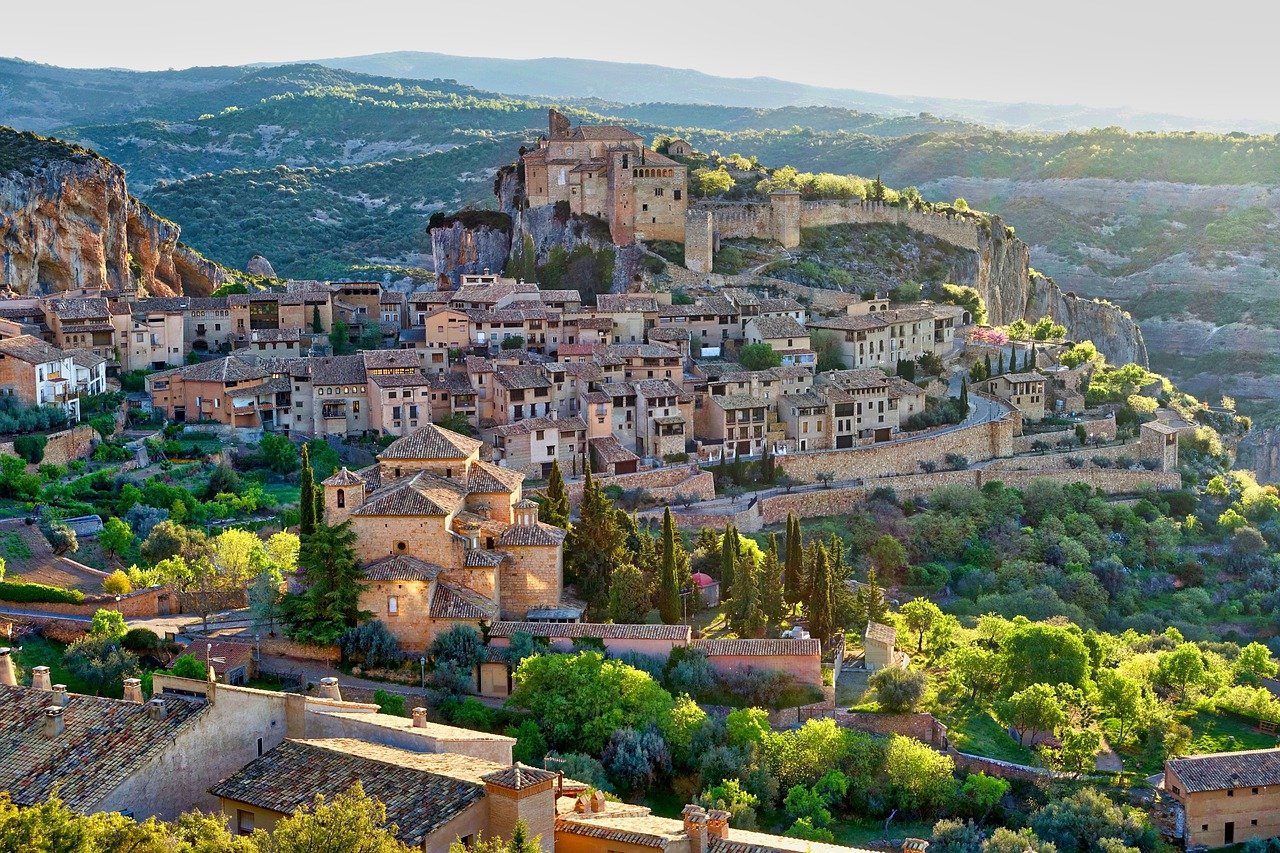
(389,703)
(898,690)
(371,644)
(141,640)
(17,591)
(117,583)
(189,666)
(30,447)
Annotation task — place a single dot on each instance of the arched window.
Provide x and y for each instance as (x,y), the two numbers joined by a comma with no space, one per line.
(342,498)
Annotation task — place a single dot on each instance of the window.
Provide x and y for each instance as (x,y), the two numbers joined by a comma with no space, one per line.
(1253,790)
(244,822)
(393,605)
(259,747)
(488,542)
(676,195)
(1231,792)
(657,191)
(342,498)
(400,546)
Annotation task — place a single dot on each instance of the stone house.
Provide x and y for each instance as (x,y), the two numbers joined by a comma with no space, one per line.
(531,445)
(86,323)
(90,372)
(801,659)
(446,329)
(878,644)
(1025,391)
(739,421)
(1225,797)
(452,394)
(152,336)
(649,361)
(868,406)
(606,171)
(662,421)
(784,336)
(806,417)
(881,338)
(39,374)
(272,343)
(464,546)
(206,322)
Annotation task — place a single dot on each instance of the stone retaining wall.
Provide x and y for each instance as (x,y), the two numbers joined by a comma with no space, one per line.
(921,726)
(1054,460)
(142,603)
(666,485)
(1105,428)
(303,651)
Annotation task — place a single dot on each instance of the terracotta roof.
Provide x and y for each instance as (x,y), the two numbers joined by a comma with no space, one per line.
(431,442)
(343,477)
(1217,771)
(759,648)
(610,451)
(1023,377)
(605,132)
(416,379)
(420,494)
(451,601)
(532,535)
(625,303)
(522,376)
(80,309)
(30,349)
(229,369)
(519,776)
(489,479)
(598,630)
(883,633)
(739,401)
(452,382)
(86,359)
(401,567)
(642,831)
(382,359)
(418,801)
(480,558)
(744,841)
(643,351)
(785,305)
(529,425)
(669,333)
(104,742)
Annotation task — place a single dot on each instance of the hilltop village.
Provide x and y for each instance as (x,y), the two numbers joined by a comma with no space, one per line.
(515,559)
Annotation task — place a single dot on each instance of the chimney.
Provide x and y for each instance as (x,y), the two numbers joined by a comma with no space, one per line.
(329,689)
(133,690)
(419,718)
(598,801)
(914,845)
(156,709)
(40,678)
(7,675)
(53,722)
(718,824)
(60,695)
(695,826)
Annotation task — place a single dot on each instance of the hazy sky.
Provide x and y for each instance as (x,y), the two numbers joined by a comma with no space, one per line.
(1205,59)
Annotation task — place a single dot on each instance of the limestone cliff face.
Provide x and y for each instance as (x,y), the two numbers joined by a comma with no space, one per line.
(70,223)
(459,248)
(1001,272)
(1259,451)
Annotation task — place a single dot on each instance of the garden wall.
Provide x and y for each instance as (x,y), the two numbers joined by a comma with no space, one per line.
(303,651)
(921,726)
(664,484)
(68,445)
(994,767)
(1104,428)
(1054,460)
(148,602)
(1110,481)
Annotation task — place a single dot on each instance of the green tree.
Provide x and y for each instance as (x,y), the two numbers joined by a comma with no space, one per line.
(1081,822)
(595,546)
(520,842)
(1005,840)
(116,537)
(265,597)
(329,602)
(759,356)
(1120,698)
(1044,654)
(351,822)
(771,598)
(1182,667)
(919,616)
(921,779)
(340,338)
(1253,663)
(317,327)
(898,690)
(729,548)
(100,662)
(889,557)
(745,615)
(108,624)
(628,594)
(189,666)
(1034,709)
(821,607)
(307,496)
(668,581)
(974,669)
(869,604)
(793,571)
(1078,753)
(554,510)
(370,335)
(580,700)
(279,453)
(964,397)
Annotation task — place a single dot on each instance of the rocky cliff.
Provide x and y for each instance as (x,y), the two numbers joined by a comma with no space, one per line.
(67,222)
(462,245)
(1001,272)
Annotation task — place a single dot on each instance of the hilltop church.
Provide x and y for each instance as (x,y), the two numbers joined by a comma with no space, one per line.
(446,538)
(606,171)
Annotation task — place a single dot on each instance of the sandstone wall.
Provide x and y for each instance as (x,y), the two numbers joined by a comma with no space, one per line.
(143,603)
(282,647)
(72,224)
(1102,427)
(921,726)
(1110,481)
(1056,460)
(71,444)
(664,484)
(956,230)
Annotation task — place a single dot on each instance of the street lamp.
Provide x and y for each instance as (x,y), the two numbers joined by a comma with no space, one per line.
(422,661)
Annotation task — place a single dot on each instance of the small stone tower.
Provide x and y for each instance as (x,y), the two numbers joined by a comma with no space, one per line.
(699,236)
(343,492)
(520,792)
(784,206)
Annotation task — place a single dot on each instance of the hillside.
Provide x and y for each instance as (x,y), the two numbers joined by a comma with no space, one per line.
(1182,229)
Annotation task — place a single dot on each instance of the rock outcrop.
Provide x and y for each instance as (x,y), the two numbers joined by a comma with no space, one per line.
(1001,272)
(1259,451)
(259,265)
(462,245)
(67,222)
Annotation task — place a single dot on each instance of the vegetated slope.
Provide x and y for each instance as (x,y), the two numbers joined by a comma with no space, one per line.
(634,82)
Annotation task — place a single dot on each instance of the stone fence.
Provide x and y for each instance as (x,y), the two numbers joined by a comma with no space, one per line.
(922,726)
(62,447)
(149,602)
(665,485)
(1104,428)
(1056,459)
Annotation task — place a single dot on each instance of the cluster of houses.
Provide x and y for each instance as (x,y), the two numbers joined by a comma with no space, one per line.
(631,381)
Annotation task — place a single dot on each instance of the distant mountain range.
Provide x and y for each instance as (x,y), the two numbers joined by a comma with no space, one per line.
(636,83)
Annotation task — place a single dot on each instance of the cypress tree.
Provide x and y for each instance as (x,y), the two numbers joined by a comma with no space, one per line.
(771,603)
(668,583)
(316,326)
(307,496)
(745,615)
(964,397)
(555,509)
(793,582)
(1031,359)
(820,597)
(1000,364)
(869,604)
(986,370)
(728,557)
(319,511)
(595,546)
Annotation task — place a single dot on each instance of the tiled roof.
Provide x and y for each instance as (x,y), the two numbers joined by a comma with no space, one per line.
(605,132)
(529,425)
(522,376)
(610,451)
(80,309)
(643,351)
(338,370)
(538,534)
(104,742)
(650,388)
(625,303)
(431,442)
(451,601)
(30,349)
(759,648)
(418,801)
(744,841)
(883,633)
(480,558)
(669,333)
(1024,377)
(419,494)
(642,831)
(740,401)
(598,630)
(1216,771)
(452,382)
(343,477)
(381,359)
(519,776)
(785,305)
(487,478)
(229,369)
(416,379)
(401,567)
(779,327)
(86,359)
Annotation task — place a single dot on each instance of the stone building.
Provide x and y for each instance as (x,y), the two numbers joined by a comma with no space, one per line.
(445,537)
(1025,391)
(1226,797)
(39,374)
(606,171)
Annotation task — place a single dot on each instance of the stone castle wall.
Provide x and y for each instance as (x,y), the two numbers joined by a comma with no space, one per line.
(699,240)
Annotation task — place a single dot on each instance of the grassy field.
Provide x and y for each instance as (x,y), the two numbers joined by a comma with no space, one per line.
(14,547)
(37,651)
(283,494)
(975,731)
